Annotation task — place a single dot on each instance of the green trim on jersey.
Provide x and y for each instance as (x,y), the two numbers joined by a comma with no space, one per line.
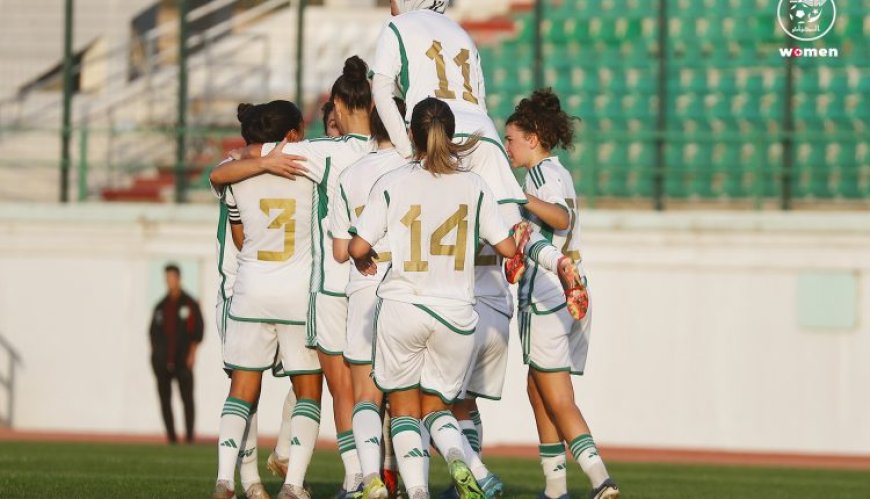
(265,321)
(535,310)
(477,224)
(443,321)
(322,208)
(404,78)
(480,395)
(387,197)
(515,201)
(328,352)
(355,362)
(301,372)
(222,237)
(440,395)
(249,369)
(344,198)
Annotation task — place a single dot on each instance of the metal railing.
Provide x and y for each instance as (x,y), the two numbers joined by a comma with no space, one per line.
(7,381)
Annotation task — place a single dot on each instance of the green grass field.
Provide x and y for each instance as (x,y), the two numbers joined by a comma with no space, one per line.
(30,469)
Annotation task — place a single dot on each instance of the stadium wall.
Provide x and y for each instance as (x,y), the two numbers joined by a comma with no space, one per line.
(712,330)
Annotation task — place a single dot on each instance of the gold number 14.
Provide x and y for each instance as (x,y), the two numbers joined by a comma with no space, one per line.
(457,221)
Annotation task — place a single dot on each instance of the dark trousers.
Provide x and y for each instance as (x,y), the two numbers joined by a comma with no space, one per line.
(184,376)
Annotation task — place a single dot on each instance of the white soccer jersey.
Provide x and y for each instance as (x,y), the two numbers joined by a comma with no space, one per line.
(430,55)
(434,224)
(228,264)
(354,186)
(551,182)
(275,261)
(326,159)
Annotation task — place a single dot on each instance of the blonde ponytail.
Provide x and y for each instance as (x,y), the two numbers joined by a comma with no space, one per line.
(432,125)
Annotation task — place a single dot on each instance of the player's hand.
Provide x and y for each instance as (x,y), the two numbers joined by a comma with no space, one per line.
(576,294)
(191,358)
(284,165)
(367,265)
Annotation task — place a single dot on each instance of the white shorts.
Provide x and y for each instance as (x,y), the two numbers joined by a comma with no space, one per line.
(361,307)
(486,375)
(327,323)
(258,346)
(221,317)
(415,349)
(555,341)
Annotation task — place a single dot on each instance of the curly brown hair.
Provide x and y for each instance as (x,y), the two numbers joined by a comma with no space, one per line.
(542,115)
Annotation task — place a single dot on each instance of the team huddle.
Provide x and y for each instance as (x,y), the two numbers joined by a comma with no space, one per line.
(380,258)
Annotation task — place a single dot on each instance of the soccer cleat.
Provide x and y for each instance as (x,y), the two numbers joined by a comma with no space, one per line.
(375,489)
(257,491)
(223,489)
(293,492)
(576,294)
(391,481)
(353,494)
(491,486)
(542,495)
(464,480)
(276,465)
(515,267)
(607,490)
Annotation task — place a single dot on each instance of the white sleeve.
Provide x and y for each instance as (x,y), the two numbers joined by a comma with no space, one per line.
(394,122)
(339,214)
(233,214)
(372,223)
(314,159)
(218,191)
(388,57)
(510,213)
(549,188)
(492,227)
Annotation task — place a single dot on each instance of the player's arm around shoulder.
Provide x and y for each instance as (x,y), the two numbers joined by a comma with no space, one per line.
(257,159)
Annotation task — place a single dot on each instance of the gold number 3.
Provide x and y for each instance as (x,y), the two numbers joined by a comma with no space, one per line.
(462,60)
(285,220)
(457,221)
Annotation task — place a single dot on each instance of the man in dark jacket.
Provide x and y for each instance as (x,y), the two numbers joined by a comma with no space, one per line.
(176,331)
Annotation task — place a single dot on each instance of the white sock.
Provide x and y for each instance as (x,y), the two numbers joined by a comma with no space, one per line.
(234,419)
(426,439)
(553,463)
(470,431)
(445,432)
(543,253)
(305,424)
(478,425)
(410,452)
(367,429)
(248,471)
(472,458)
(352,471)
(586,454)
(282,448)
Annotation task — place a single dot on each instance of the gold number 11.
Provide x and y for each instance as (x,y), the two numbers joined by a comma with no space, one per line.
(462,60)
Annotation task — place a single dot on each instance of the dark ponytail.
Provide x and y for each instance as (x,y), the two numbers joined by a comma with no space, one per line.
(353,87)
(269,122)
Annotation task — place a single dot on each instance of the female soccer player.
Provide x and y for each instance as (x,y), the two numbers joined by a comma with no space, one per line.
(354,186)
(258,318)
(433,214)
(325,158)
(554,343)
(429,55)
